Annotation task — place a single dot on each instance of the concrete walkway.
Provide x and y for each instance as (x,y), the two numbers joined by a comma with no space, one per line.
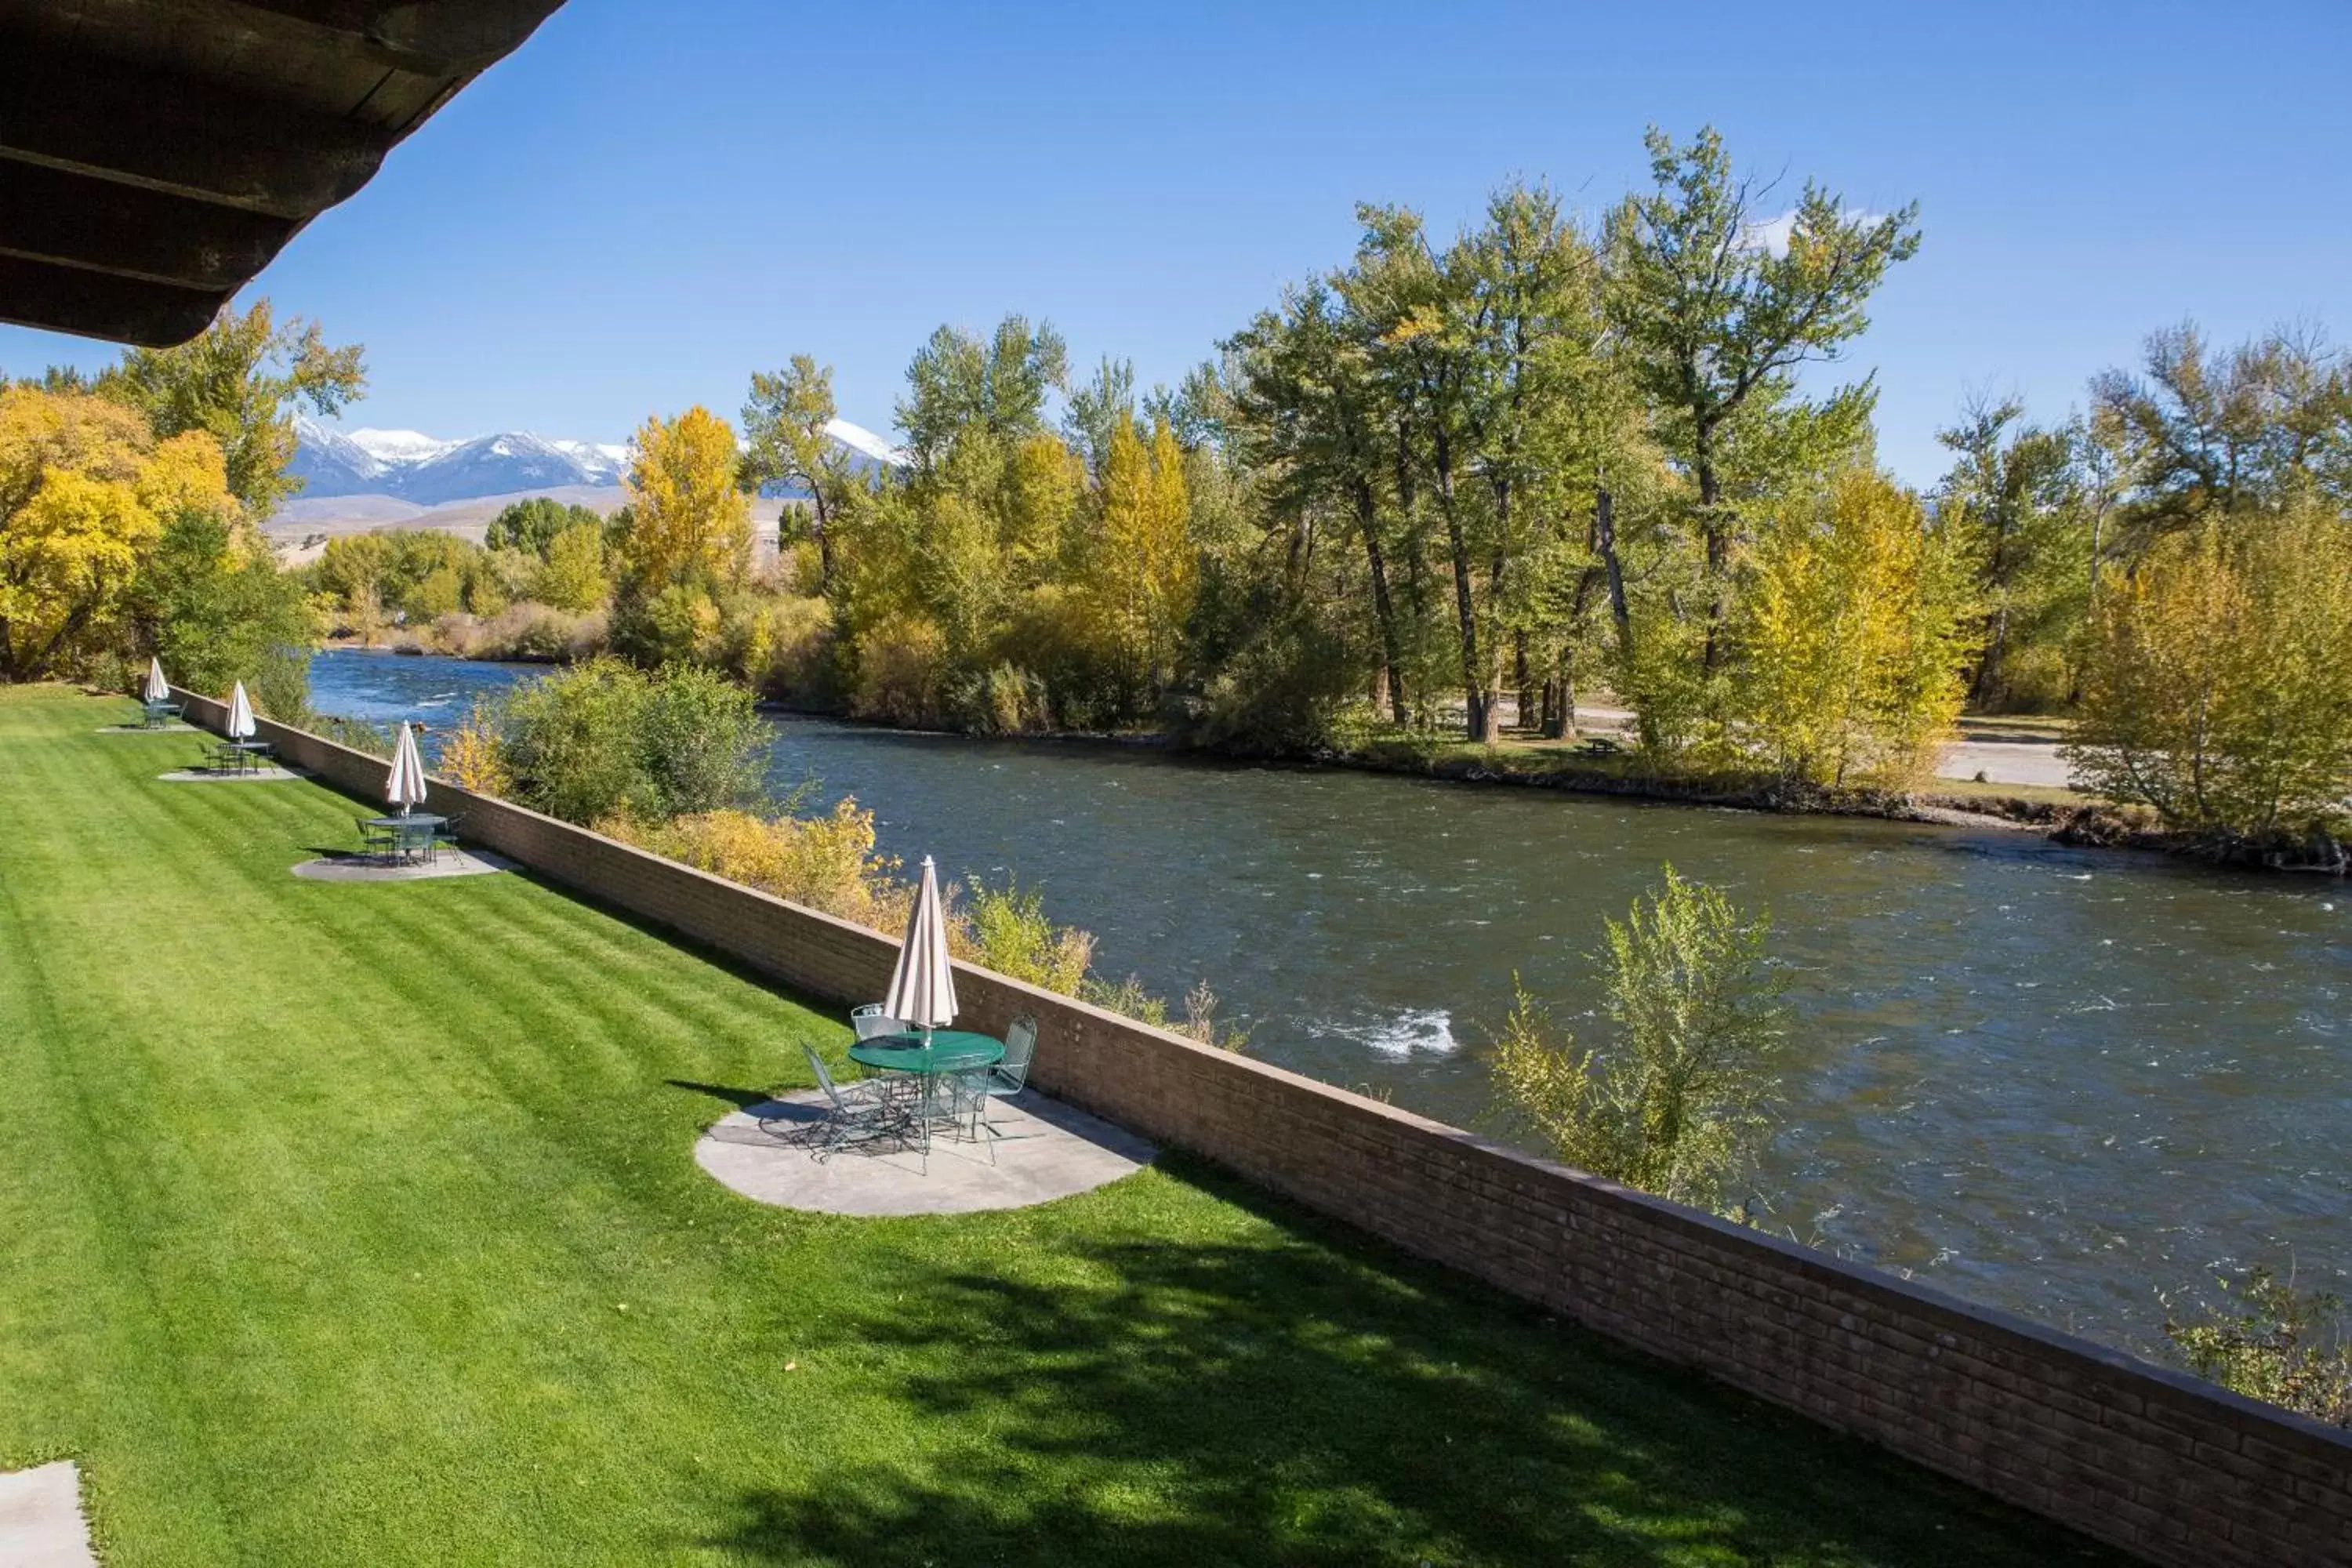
(1046,1150)
(41,1525)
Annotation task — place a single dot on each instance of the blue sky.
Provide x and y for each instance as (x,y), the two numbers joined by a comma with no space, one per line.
(648,202)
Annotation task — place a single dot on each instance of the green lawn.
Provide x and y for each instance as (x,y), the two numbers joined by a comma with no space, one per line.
(358,1225)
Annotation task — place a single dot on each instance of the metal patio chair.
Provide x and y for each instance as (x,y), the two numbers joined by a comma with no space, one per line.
(855,1112)
(869,1021)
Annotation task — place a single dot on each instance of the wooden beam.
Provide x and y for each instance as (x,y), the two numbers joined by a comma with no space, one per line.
(430,37)
(103,305)
(69,111)
(54,215)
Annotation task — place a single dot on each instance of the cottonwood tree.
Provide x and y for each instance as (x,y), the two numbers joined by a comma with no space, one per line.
(787,425)
(957,383)
(688,518)
(2203,433)
(2020,492)
(1721,304)
(239,383)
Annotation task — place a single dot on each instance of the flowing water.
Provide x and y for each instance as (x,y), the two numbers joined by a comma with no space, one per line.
(2053,1080)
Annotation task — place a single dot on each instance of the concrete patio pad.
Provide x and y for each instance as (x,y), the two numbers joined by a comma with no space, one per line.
(41,1525)
(1047,1150)
(257,775)
(358,869)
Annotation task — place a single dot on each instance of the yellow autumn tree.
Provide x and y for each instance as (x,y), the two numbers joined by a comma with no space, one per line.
(1146,573)
(85,492)
(2216,686)
(1857,630)
(688,519)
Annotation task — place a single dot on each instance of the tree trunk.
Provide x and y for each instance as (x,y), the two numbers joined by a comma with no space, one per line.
(1477,721)
(1390,688)
(823,539)
(1718,544)
(1604,540)
(1524,678)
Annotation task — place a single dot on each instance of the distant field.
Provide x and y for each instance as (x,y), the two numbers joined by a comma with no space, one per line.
(301,520)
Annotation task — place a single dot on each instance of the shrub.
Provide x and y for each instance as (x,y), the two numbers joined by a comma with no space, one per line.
(782,645)
(475,757)
(901,668)
(1004,701)
(602,741)
(1282,692)
(1006,930)
(1679,1108)
(2280,1345)
(824,863)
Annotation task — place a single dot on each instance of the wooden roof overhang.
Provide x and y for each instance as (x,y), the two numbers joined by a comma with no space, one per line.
(156,154)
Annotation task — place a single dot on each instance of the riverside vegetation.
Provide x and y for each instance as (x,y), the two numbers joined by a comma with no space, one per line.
(1439,483)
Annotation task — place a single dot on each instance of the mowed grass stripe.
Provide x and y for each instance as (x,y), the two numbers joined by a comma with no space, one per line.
(370,1232)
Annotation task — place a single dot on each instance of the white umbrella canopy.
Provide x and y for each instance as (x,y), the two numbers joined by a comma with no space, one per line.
(922,988)
(406,785)
(158,688)
(240,714)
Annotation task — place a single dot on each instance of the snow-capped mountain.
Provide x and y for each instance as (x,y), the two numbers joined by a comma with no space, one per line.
(430,471)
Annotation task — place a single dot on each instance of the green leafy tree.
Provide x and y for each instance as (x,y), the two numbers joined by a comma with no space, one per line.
(1718,309)
(216,614)
(958,383)
(573,575)
(240,382)
(2023,491)
(532,524)
(1681,1104)
(787,422)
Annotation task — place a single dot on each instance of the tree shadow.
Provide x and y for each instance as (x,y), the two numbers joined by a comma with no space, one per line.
(1287,1391)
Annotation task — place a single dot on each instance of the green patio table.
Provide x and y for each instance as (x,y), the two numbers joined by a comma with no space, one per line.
(930,1058)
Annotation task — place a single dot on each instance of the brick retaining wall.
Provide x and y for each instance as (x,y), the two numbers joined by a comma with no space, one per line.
(2149,1459)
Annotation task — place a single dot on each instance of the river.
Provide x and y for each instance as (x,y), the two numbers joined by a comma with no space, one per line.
(2056,1081)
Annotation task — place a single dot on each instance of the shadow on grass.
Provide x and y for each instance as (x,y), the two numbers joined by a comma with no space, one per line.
(1286,1393)
(740,1099)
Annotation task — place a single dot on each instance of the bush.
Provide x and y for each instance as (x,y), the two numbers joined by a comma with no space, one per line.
(1004,701)
(900,669)
(527,632)
(1282,692)
(1006,930)
(601,740)
(781,645)
(824,863)
(2280,1345)
(1680,1106)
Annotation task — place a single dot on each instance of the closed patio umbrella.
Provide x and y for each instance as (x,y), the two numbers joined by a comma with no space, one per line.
(240,714)
(922,988)
(158,688)
(405,787)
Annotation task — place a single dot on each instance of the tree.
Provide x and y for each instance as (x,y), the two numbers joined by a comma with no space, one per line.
(2215,688)
(573,576)
(956,381)
(218,612)
(2022,488)
(2202,434)
(1146,572)
(1682,1103)
(1857,629)
(1098,409)
(689,519)
(239,382)
(85,492)
(532,524)
(1718,312)
(788,421)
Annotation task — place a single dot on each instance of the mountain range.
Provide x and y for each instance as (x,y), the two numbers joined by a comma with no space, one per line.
(428,471)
